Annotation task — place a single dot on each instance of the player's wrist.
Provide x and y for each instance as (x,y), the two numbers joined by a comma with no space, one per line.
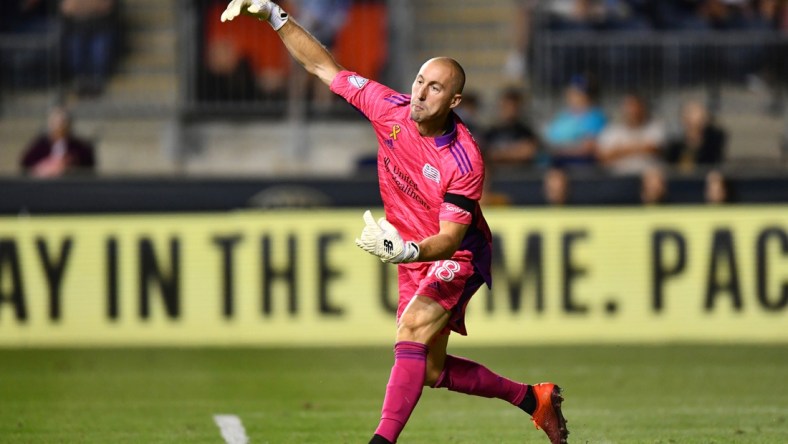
(271,12)
(410,252)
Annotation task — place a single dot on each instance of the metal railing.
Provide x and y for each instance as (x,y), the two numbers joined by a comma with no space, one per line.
(29,64)
(657,63)
(653,62)
(258,78)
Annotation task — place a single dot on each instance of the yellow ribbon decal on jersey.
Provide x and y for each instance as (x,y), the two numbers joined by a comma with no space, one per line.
(395,130)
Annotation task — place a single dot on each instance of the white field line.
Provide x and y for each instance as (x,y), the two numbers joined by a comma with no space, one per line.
(232,429)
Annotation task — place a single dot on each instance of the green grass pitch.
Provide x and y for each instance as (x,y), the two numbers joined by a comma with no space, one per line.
(614,394)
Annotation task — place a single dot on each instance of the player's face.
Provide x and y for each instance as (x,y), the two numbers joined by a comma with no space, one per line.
(433,93)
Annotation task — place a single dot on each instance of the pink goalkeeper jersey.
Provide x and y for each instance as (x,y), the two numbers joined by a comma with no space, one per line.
(423,180)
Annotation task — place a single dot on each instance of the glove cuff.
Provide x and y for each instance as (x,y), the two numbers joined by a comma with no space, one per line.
(411,252)
(277,17)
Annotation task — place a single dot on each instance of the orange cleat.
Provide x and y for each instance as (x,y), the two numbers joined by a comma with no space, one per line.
(548,416)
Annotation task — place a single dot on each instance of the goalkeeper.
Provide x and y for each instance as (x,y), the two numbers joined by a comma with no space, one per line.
(431,174)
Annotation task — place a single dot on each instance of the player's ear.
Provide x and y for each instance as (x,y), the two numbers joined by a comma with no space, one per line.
(455,101)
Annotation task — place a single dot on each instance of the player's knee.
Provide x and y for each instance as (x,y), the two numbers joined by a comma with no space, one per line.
(410,329)
(432,374)
(420,325)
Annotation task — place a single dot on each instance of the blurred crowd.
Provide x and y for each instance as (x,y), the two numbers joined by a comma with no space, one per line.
(695,15)
(244,62)
(582,139)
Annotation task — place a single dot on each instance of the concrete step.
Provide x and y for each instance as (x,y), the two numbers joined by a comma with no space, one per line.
(16,134)
(270,148)
(475,38)
(148,62)
(462,13)
(161,86)
(478,33)
(132,147)
(752,136)
(153,4)
(485,58)
(160,41)
(142,14)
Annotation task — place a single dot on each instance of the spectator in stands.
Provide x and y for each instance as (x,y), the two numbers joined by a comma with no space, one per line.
(654,188)
(58,152)
(89,39)
(701,142)
(510,141)
(634,144)
(716,188)
(555,186)
(572,134)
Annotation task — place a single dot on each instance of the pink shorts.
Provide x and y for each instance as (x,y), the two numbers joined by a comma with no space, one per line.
(450,283)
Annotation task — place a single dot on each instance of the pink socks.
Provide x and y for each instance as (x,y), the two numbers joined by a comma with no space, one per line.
(459,375)
(465,376)
(404,388)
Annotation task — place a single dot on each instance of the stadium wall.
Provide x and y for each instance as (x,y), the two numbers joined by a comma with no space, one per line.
(296,278)
(81,195)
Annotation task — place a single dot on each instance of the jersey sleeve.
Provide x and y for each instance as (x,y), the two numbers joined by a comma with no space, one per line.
(373,99)
(452,212)
(462,197)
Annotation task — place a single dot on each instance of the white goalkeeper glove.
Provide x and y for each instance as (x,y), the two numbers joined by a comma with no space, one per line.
(383,240)
(264,10)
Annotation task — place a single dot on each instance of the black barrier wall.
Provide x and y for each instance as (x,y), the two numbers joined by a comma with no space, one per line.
(90,195)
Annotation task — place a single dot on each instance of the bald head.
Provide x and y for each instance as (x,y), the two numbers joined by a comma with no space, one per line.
(457,73)
(436,90)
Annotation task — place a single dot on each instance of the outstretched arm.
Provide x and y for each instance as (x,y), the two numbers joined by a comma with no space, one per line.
(310,53)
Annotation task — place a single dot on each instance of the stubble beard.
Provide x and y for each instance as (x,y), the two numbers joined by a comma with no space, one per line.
(418,116)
